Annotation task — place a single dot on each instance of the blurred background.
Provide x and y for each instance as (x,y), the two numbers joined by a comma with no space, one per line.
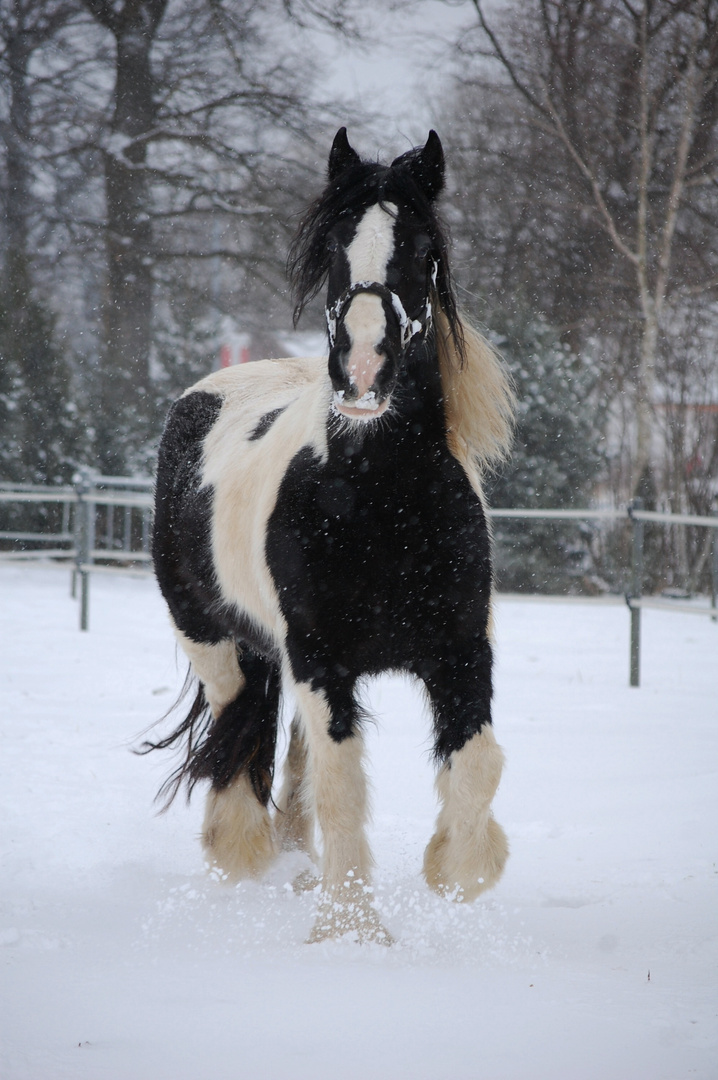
(155,156)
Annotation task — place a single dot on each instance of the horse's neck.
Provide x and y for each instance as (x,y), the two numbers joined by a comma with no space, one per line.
(420,382)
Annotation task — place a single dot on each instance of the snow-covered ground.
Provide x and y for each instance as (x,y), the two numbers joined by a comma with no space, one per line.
(122,960)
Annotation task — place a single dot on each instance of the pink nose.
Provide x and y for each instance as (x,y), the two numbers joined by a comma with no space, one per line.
(363,365)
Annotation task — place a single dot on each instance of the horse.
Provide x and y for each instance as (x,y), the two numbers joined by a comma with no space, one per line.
(321,520)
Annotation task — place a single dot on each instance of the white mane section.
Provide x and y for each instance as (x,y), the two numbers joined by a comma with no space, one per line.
(478,400)
(246,473)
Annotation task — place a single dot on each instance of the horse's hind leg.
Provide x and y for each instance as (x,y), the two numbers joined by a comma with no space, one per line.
(237,756)
(468,850)
(295,820)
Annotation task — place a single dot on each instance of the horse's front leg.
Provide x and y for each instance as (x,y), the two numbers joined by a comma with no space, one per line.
(338,788)
(467,853)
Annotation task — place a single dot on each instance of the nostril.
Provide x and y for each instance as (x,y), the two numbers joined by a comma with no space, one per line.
(338,368)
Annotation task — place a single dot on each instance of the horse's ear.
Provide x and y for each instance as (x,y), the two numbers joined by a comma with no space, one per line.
(426,165)
(341,155)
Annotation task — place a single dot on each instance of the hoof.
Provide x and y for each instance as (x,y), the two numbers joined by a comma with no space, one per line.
(307,881)
(463,872)
(238,834)
(349,912)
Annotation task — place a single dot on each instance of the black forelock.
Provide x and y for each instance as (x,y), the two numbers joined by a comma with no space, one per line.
(354,190)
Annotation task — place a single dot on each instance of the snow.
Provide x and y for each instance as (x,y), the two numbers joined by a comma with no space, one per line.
(121,959)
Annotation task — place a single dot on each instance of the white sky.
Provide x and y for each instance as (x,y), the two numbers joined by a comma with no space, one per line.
(400,76)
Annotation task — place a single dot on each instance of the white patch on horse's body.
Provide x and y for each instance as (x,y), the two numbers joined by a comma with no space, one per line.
(339,792)
(238,834)
(368,255)
(246,474)
(468,849)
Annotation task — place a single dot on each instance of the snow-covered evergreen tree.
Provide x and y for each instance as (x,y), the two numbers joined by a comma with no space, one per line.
(39,429)
(557,457)
(41,432)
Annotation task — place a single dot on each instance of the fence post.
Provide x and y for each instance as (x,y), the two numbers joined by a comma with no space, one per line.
(76,539)
(84,542)
(714,577)
(127,533)
(636,591)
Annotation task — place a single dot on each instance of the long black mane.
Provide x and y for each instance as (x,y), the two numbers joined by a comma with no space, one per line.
(358,187)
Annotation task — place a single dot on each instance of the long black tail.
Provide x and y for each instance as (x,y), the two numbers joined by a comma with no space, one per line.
(242,738)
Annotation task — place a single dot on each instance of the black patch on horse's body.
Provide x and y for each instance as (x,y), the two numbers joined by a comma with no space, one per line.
(381,559)
(181,546)
(265,422)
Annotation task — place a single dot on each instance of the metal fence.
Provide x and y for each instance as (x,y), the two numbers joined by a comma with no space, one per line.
(634,597)
(106,524)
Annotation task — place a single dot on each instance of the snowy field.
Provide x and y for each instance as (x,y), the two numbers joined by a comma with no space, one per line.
(122,960)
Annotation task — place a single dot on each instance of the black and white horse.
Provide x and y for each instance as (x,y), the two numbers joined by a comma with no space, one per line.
(317,523)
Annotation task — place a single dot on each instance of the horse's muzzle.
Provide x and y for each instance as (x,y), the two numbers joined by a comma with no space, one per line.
(363,380)
(369,335)
(364,408)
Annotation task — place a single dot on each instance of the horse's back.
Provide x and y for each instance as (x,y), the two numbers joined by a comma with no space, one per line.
(261,380)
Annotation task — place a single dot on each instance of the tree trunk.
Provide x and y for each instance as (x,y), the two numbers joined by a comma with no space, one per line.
(17,202)
(645,398)
(125,405)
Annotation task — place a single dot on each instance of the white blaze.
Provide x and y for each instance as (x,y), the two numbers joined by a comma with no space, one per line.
(368,254)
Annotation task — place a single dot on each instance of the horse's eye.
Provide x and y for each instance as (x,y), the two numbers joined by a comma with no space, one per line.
(423,249)
(332,245)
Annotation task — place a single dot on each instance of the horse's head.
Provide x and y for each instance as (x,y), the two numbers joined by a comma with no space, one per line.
(375,238)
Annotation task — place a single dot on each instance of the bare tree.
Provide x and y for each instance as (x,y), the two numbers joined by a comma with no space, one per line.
(207,99)
(25,26)
(615,107)
(154,152)
(128,310)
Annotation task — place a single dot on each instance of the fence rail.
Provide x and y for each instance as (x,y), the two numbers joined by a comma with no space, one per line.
(94,498)
(561,515)
(105,520)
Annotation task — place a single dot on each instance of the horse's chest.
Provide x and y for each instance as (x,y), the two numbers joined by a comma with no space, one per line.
(376,542)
